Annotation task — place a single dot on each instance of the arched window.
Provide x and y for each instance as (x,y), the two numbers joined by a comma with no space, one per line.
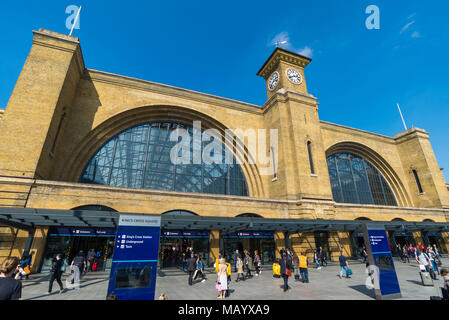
(180,213)
(355,180)
(95,207)
(139,157)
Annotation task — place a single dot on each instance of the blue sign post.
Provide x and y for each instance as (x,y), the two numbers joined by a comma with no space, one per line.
(134,263)
(386,285)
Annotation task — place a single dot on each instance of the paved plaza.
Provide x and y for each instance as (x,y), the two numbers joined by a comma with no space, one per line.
(324,284)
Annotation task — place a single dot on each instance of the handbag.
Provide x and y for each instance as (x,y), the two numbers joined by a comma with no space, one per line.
(218,286)
(348,272)
(288,272)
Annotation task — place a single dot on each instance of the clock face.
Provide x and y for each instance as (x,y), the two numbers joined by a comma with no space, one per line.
(294,76)
(273,81)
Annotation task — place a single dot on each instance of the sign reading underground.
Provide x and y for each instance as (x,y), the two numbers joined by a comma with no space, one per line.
(134,264)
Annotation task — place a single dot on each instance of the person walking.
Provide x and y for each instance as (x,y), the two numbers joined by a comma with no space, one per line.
(344,265)
(239,265)
(286,267)
(316,259)
(437,255)
(56,273)
(303,265)
(323,257)
(90,259)
(191,267)
(432,256)
(199,269)
(257,262)
(234,256)
(80,262)
(10,288)
(248,263)
(423,259)
(364,254)
(405,254)
(222,278)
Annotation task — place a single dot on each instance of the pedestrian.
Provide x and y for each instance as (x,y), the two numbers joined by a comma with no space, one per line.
(344,265)
(365,254)
(316,259)
(90,259)
(199,269)
(56,273)
(445,289)
(234,256)
(423,259)
(303,265)
(239,265)
(184,262)
(296,268)
(437,255)
(323,257)
(191,267)
(26,263)
(222,278)
(248,263)
(286,267)
(78,261)
(405,254)
(257,262)
(433,264)
(10,288)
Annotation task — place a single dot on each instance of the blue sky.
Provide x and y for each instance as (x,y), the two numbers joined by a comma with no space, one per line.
(217,47)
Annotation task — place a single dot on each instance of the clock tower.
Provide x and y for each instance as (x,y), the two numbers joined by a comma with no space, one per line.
(284,69)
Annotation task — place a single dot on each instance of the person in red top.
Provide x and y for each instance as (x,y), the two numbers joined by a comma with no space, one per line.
(421,246)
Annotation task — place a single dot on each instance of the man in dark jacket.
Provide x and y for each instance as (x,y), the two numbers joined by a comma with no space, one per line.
(56,273)
(285,264)
(191,267)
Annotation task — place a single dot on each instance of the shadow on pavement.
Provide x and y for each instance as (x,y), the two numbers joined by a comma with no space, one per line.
(363,289)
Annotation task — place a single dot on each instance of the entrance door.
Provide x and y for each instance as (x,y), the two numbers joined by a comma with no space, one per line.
(322,240)
(99,244)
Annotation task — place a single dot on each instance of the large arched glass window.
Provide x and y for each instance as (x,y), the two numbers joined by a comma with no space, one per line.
(139,157)
(355,180)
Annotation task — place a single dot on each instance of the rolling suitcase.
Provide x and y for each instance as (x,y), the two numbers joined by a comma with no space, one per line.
(276,270)
(426,279)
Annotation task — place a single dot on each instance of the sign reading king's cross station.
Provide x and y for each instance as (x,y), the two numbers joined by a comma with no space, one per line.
(134,263)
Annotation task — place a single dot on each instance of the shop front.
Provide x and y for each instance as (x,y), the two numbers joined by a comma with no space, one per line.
(174,243)
(249,241)
(69,242)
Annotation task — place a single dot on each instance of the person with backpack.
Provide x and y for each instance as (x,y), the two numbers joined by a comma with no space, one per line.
(323,257)
(405,254)
(78,261)
(91,256)
(423,259)
(191,267)
(432,256)
(365,254)
(56,273)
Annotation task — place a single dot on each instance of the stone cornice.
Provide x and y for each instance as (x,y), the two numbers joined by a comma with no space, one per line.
(284,95)
(411,134)
(150,86)
(278,55)
(338,127)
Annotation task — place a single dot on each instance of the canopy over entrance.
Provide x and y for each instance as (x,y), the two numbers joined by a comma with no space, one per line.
(28,219)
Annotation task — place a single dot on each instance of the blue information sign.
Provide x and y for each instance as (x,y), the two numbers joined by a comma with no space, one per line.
(134,263)
(249,234)
(379,255)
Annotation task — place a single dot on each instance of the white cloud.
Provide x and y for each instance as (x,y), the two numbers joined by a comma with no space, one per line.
(416,34)
(306,51)
(284,36)
(404,28)
(281,37)
(411,16)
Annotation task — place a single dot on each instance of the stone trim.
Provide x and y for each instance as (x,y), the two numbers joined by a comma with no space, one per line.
(336,127)
(164,89)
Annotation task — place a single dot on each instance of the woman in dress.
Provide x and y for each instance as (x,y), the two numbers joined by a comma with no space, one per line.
(222,277)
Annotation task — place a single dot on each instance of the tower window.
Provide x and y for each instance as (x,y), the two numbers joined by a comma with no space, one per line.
(309,149)
(418,183)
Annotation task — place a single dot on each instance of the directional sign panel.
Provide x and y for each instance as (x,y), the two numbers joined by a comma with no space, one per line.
(134,263)
(386,283)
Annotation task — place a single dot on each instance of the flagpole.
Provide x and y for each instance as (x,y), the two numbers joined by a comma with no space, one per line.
(76,20)
(401,116)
